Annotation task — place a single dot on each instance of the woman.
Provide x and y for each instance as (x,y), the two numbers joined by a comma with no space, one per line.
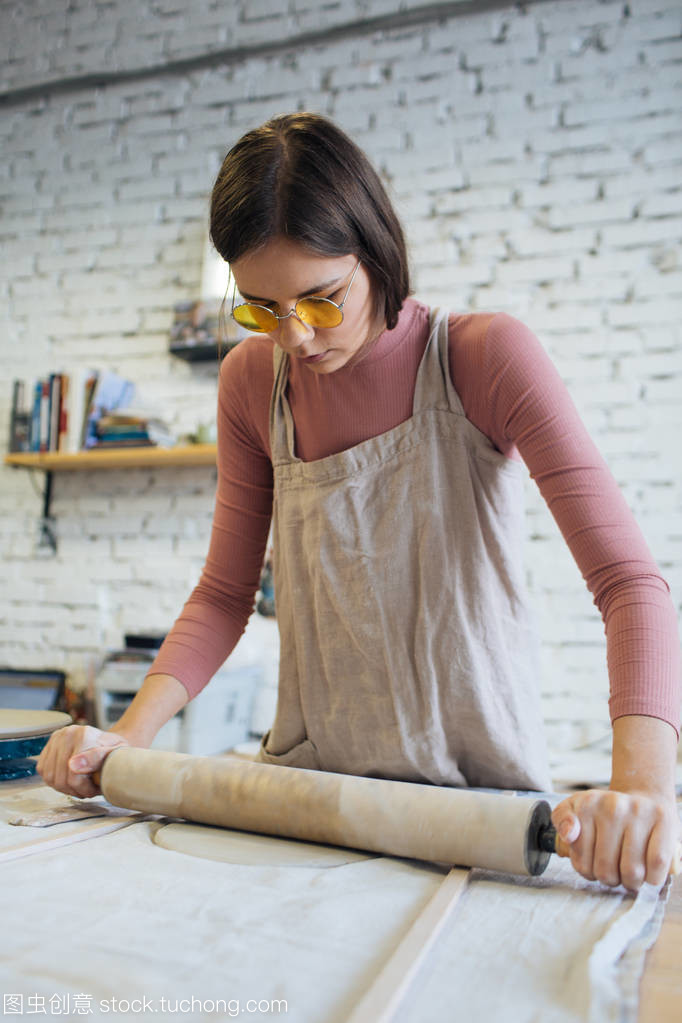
(391,436)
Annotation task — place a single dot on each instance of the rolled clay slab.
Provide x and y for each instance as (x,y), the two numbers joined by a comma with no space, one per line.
(425,822)
(25,724)
(249,849)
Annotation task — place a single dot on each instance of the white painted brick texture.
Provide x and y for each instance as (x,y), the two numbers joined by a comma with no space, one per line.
(535,157)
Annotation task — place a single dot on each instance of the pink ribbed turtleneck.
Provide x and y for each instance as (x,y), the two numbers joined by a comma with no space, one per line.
(511,392)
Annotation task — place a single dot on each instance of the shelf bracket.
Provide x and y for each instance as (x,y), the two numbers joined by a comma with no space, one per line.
(47,539)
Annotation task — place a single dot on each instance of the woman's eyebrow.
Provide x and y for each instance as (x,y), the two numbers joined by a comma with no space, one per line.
(304,294)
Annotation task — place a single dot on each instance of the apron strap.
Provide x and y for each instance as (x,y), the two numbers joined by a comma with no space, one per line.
(434,387)
(282,434)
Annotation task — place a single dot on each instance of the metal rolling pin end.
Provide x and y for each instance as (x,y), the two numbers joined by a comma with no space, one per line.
(540,838)
(547,837)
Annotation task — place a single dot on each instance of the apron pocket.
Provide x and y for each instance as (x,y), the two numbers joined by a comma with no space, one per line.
(303,755)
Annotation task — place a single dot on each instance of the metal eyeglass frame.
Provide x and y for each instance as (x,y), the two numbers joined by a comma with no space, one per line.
(293,312)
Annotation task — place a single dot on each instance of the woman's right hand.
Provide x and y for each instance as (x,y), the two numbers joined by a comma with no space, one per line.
(71,756)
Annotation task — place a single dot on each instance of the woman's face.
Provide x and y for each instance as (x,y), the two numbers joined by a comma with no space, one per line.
(281,272)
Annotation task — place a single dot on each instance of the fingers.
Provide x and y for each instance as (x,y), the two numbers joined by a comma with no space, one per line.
(89,760)
(576,836)
(658,860)
(610,827)
(623,838)
(567,826)
(71,756)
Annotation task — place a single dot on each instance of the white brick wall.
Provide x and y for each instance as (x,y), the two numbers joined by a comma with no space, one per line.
(536,158)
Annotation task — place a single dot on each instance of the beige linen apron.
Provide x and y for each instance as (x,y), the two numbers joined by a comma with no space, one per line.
(407,649)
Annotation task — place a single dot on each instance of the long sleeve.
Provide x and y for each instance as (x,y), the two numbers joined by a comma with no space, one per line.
(516,396)
(216,613)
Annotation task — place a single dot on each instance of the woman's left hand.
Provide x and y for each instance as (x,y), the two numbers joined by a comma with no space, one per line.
(618,837)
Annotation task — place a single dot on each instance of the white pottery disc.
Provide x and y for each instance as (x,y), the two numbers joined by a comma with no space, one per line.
(250,849)
(25,724)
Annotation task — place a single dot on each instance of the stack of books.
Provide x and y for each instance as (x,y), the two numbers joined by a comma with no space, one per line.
(72,412)
(131,429)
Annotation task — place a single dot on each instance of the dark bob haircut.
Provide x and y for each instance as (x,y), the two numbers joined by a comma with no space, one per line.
(300,177)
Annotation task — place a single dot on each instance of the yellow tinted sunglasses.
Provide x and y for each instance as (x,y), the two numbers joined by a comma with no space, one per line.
(315,312)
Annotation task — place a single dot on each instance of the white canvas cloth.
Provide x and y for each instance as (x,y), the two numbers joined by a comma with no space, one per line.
(118,916)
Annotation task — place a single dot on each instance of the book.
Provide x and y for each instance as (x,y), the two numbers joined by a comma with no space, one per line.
(20,419)
(77,383)
(87,426)
(44,416)
(54,390)
(35,415)
(63,412)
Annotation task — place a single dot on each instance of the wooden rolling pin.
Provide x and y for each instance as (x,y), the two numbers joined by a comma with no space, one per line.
(512,834)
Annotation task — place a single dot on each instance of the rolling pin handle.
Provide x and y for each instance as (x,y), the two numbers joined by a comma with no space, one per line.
(538,846)
(547,839)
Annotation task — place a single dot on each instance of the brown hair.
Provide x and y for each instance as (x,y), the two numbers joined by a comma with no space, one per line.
(301,177)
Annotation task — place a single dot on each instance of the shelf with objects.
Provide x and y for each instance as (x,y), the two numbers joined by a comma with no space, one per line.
(203,330)
(86,420)
(199,332)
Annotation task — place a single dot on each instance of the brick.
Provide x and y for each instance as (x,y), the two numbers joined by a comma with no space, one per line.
(568,317)
(666,391)
(506,173)
(641,232)
(665,152)
(147,188)
(644,313)
(448,278)
(661,129)
(141,255)
(548,193)
(660,339)
(612,264)
(492,150)
(662,52)
(658,285)
(534,270)
(531,78)
(613,289)
(564,141)
(480,55)
(637,106)
(590,163)
(600,212)
(533,241)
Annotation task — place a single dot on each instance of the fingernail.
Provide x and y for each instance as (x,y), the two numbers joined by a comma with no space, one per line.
(565,829)
(80,762)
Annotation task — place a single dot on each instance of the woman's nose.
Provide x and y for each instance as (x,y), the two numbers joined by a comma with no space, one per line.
(293,333)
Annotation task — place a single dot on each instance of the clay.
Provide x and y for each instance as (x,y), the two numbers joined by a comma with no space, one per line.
(23,724)
(249,849)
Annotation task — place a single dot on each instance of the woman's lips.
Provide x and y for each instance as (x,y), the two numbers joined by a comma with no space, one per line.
(315,358)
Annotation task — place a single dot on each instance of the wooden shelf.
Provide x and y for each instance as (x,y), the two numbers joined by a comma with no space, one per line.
(117,458)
